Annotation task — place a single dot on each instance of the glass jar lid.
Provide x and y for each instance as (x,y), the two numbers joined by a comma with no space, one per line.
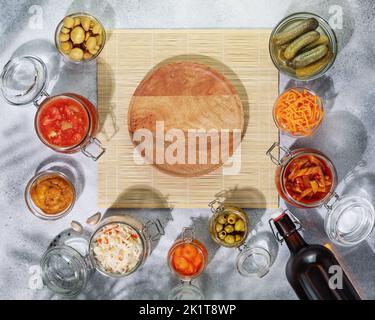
(350,220)
(253,261)
(64,266)
(186,291)
(23,80)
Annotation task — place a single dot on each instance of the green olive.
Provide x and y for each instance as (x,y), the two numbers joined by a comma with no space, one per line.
(232,218)
(77,35)
(85,22)
(63,37)
(218,227)
(66,47)
(238,238)
(229,239)
(91,43)
(240,225)
(222,234)
(76,54)
(221,219)
(229,228)
(68,22)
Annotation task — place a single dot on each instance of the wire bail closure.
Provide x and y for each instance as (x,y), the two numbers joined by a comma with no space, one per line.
(295,220)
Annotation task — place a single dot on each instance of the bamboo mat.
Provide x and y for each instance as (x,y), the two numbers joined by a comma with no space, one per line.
(242,57)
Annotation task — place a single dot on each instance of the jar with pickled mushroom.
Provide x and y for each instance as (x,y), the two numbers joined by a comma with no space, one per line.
(80,37)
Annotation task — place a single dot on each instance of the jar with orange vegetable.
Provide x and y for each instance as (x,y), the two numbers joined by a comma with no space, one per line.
(66,123)
(187,258)
(298,112)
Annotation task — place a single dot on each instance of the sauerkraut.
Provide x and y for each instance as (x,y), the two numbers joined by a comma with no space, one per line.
(117,248)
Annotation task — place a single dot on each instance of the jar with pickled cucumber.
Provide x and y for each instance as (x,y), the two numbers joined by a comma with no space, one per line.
(303,46)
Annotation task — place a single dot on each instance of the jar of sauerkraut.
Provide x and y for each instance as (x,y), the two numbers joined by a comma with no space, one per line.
(121,244)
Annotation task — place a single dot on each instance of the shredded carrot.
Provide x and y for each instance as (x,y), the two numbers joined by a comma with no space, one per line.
(298,112)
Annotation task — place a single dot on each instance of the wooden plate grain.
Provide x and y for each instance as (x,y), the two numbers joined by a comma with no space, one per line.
(187,96)
(236,59)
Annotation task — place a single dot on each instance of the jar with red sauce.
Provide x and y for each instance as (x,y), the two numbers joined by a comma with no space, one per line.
(187,258)
(66,123)
(306,178)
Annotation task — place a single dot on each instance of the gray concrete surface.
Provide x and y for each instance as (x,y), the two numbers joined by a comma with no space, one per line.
(346,136)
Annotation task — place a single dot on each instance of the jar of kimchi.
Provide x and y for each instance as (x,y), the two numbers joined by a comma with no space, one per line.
(66,123)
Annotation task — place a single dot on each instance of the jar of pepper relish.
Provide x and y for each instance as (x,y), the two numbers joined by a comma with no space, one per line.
(306,178)
(66,123)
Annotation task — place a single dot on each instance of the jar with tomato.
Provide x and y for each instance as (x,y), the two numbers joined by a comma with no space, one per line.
(187,258)
(66,123)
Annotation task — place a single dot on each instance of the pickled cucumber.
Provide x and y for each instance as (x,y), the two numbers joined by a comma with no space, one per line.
(301,28)
(302,41)
(323,39)
(314,67)
(309,57)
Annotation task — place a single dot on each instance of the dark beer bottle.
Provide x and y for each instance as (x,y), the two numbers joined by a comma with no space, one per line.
(312,270)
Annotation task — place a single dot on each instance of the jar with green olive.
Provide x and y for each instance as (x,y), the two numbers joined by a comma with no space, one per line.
(229,227)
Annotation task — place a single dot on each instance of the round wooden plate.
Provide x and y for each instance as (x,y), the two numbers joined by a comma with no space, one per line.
(185,96)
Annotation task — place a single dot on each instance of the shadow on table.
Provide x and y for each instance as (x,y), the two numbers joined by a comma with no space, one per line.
(342,137)
(67,165)
(323,87)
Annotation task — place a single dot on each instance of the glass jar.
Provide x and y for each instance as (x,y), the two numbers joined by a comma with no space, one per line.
(136,237)
(252,260)
(303,130)
(349,219)
(66,267)
(43,182)
(276,52)
(286,165)
(100,37)
(66,123)
(187,259)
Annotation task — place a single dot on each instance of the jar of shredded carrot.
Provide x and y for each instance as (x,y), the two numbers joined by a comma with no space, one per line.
(298,112)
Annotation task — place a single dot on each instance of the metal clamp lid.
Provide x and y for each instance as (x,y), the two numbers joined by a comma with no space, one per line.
(274,159)
(216,206)
(98,144)
(188,234)
(295,220)
(159,230)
